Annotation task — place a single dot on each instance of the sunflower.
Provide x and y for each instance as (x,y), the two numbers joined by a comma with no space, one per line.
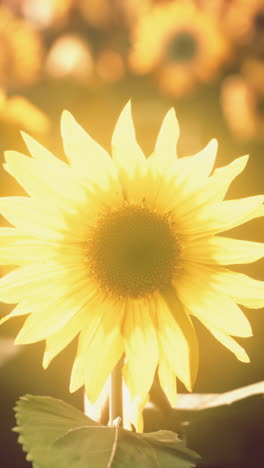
(180,44)
(21,50)
(123,251)
(242,99)
(244,22)
(20,112)
(105,14)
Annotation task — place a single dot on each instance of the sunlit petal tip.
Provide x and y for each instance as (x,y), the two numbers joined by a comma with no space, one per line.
(26,137)
(171,118)
(206,157)
(9,156)
(244,357)
(189,385)
(92,396)
(36,149)
(124,125)
(213,145)
(46,361)
(168,137)
(249,332)
(20,339)
(125,150)
(240,163)
(66,120)
(127,107)
(260,209)
(244,159)
(4,319)
(172,122)
(210,149)
(245,330)
(74,386)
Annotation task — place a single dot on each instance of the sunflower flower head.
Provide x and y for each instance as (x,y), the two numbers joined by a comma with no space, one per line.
(242,100)
(243,22)
(123,251)
(181,44)
(22,51)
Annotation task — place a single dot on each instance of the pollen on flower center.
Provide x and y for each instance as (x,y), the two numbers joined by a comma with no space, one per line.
(132,252)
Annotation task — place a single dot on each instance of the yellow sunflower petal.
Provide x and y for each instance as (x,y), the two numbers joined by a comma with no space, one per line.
(133,410)
(55,313)
(10,234)
(167,379)
(222,177)
(17,248)
(141,347)
(222,216)
(125,151)
(244,290)
(46,181)
(223,251)
(165,149)
(32,218)
(59,340)
(38,281)
(212,190)
(87,157)
(78,369)
(199,293)
(92,366)
(96,372)
(230,344)
(58,171)
(201,164)
(177,338)
(16,312)
(22,252)
(187,181)
(37,150)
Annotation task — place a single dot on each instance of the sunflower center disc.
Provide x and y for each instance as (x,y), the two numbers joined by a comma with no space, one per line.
(133,252)
(182,47)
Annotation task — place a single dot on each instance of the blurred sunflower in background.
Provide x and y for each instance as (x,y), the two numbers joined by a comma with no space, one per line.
(242,101)
(21,49)
(181,44)
(106,14)
(20,112)
(21,65)
(243,22)
(123,251)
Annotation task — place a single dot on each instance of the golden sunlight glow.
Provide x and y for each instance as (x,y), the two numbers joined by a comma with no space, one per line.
(70,57)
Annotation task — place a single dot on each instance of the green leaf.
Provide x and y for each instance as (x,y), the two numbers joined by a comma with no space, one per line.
(93,447)
(57,435)
(169,442)
(41,420)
